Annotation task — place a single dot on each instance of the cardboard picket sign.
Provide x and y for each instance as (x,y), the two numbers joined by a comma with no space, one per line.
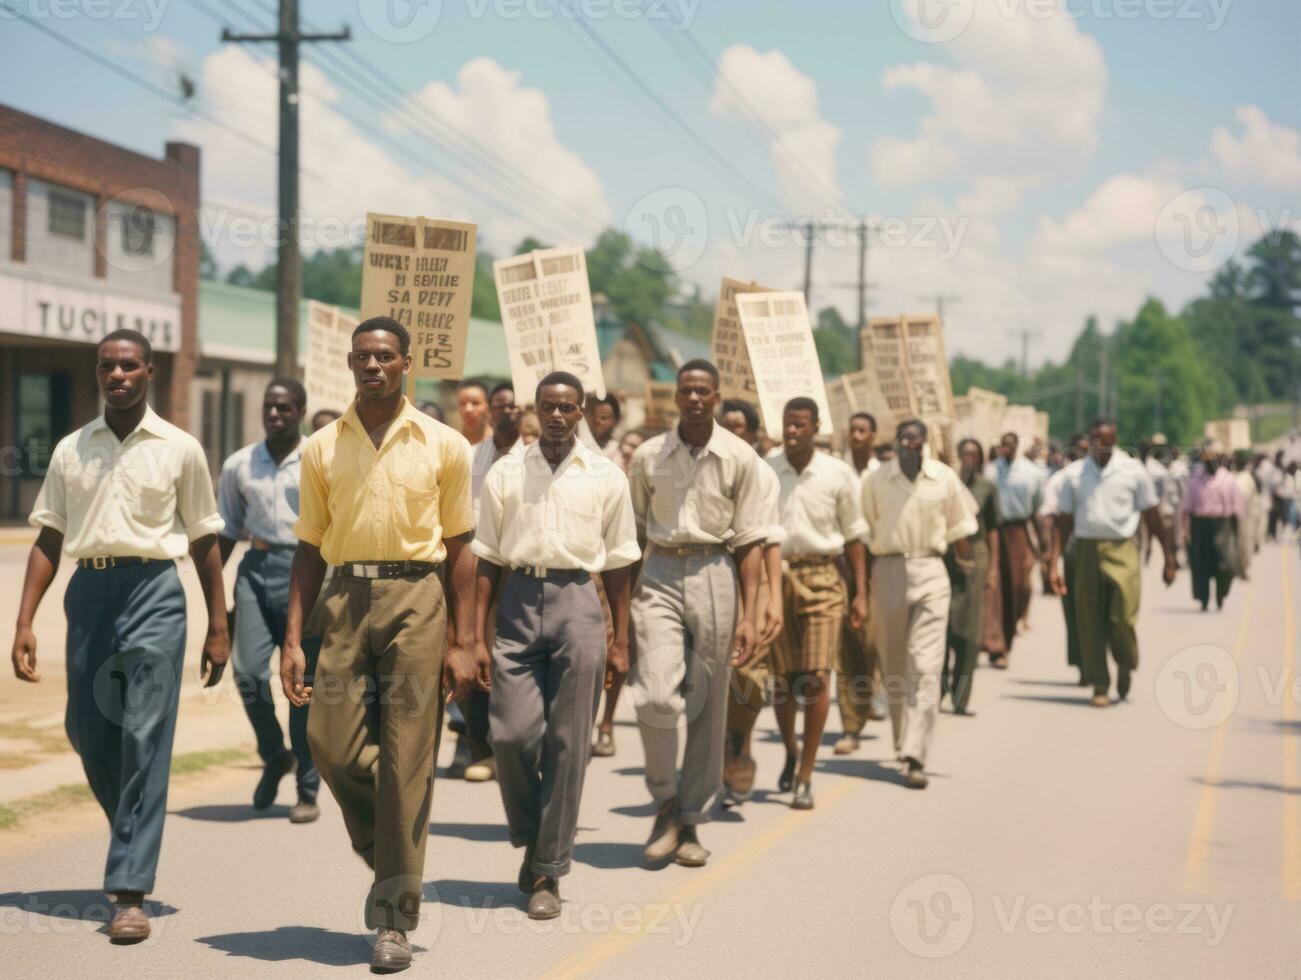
(420,272)
(979,415)
(1230,434)
(326,375)
(727,346)
(661,409)
(1022,420)
(783,357)
(546,310)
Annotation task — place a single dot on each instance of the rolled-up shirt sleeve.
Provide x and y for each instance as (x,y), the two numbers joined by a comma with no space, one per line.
(639,491)
(849,510)
(195,502)
(871,510)
(1145,495)
(487,535)
(959,511)
(748,525)
(51,508)
(618,526)
(313,497)
(230,501)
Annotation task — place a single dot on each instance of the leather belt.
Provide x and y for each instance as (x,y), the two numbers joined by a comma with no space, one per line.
(804,561)
(538,571)
(385,569)
(101,562)
(257,544)
(928,553)
(689,550)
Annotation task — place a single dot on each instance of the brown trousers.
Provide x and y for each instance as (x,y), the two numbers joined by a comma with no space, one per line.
(374,723)
(1015,563)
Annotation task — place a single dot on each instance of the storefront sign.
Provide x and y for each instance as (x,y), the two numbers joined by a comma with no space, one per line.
(36,307)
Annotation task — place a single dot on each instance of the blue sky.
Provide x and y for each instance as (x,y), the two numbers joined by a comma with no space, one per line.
(1039,165)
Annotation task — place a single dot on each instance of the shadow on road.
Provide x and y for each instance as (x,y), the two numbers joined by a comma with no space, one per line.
(82,905)
(868,769)
(494,832)
(1034,683)
(473,894)
(1249,784)
(310,943)
(609,856)
(232,813)
(1079,701)
(647,809)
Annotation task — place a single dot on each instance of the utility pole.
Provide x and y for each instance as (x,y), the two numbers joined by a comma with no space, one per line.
(1156,410)
(1025,333)
(940,299)
(1079,397)
(1102,380)
(288,260)
(864,231)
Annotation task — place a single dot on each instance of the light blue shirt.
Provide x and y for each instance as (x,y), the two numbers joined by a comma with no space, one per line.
(1020,488)
(1106,503)
(259,498)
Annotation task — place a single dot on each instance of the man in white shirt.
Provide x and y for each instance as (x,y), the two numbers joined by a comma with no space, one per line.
(126,496)
(916,508)
(1020,487)
(823,520)
(859,671)
(1101,501)
(551,518)
(699,505)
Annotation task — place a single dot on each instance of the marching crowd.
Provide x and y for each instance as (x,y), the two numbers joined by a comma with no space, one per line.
(514,570)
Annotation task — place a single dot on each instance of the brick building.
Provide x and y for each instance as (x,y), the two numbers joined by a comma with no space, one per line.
(93,237)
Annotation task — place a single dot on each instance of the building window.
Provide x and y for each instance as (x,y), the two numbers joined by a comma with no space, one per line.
(41,405)
(138,231)
(67,215)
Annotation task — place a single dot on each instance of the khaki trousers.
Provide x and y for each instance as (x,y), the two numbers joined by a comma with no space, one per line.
(748,686)
(1106,590)
(910,613)
(857,675)
(373,726)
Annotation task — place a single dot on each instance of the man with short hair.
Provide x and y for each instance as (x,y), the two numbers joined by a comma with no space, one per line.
(472,407)
(323,417)
(126,496)
(258,500)
(859,669)
(749,682)
(820,511)
(1101,500)
(1020,488)
(916,508)
(385,500)
(602,416)
(550,519)
(697,500)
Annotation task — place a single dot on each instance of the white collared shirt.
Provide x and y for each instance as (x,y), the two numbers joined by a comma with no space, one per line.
(577,516)
(916,516)
(770,489)
(148,496)
(1106,503)
(710,497)
(820,506)
(1020,487)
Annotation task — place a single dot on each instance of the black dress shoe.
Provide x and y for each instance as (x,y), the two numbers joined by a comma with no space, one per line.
(787,779)
(1123,680)
(545,903)
(274,771)
(803,796)
(392,952)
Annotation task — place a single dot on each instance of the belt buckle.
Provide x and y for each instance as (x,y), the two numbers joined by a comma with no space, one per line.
(537,571)
(99,562)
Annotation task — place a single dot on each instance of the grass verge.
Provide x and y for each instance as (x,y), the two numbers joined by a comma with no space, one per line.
(185,764)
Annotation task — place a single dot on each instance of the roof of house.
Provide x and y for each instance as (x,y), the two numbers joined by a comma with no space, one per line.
(239,324)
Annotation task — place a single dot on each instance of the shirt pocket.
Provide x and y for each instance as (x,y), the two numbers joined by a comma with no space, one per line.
(713,512)
(580,524)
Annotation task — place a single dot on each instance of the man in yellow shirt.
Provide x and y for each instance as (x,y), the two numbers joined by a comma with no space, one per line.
(126,495)
(385,500)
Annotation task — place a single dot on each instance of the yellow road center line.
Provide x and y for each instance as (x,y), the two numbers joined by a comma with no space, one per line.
(616,943)
(1199,842)
(1291,780)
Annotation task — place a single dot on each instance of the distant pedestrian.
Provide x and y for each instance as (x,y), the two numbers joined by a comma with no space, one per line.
(1076,449)
(1020,489)
(472,409)
(1213,513)
(126,496)
(967,603)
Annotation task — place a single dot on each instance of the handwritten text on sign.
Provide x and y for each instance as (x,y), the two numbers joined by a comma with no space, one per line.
(783,356)
(420,272)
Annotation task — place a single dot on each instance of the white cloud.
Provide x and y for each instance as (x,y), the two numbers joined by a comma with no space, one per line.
(346,171)
(1267,153)
(1026,91)
(1123,209)
(786,100)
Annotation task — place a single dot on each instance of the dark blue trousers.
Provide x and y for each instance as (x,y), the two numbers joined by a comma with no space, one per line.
(261,607)
(126,646)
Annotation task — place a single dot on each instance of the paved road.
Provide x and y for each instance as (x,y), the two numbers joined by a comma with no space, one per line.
(1055,839)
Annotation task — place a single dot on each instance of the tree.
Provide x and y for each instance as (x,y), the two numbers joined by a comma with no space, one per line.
(1162,379)
(834,341)
(207,264)
(483,301)
(241,276)
(1275,280)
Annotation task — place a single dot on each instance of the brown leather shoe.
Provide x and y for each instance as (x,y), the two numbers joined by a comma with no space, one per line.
(604,745)
(130,924)
(847,744)
(738,777)
(663,842)
(1100,701)
(392,952)
(304,811)
(690,853)
(545,901)
(914,776)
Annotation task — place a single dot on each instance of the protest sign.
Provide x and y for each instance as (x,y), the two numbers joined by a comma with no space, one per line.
(661,410)
(782,355)
(420,272)
(728,349)
(1230,434)
(546,310)
(326,375)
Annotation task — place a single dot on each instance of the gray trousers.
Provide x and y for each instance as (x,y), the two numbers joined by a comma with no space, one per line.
(684,613)
(548,663)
